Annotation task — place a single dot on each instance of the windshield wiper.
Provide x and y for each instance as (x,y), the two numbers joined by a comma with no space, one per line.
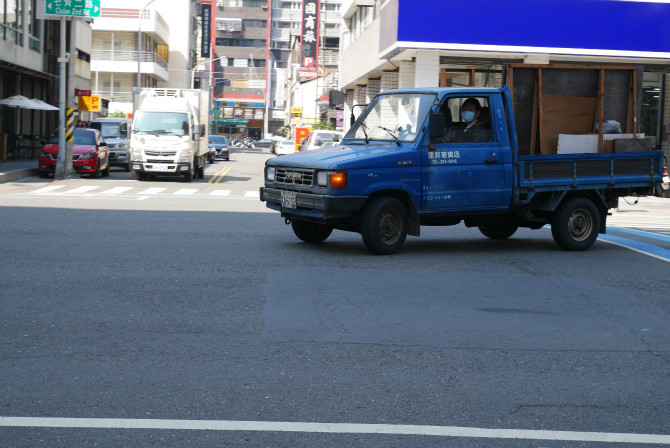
(392,134)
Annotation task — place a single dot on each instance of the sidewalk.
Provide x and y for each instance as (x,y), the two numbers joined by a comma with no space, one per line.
(17,169)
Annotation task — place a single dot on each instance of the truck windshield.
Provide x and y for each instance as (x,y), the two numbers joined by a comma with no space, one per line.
(394,117)
(174,123)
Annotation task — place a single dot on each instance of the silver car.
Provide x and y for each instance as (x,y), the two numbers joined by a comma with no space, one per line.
(115,133)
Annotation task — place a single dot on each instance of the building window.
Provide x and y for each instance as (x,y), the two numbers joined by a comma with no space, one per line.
(11,21)
(255,24)
(34,27)
(229,25)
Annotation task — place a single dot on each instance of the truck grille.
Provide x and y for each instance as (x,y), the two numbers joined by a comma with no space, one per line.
(294,176)
(161,153)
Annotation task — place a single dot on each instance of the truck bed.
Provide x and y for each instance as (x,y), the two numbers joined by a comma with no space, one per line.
(578,171)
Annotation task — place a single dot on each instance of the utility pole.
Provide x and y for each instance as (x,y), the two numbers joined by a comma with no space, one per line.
(64,168)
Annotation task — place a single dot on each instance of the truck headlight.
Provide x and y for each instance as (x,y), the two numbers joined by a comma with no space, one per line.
(270,173)
(332,179)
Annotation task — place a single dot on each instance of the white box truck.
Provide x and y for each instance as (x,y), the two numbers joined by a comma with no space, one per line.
(170,133)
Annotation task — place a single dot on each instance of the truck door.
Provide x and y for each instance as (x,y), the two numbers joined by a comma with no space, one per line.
(470,169)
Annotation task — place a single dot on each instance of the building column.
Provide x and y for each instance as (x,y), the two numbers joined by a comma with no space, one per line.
(427,69)
(406,75)
(359,95)
(372,89)
(389,80)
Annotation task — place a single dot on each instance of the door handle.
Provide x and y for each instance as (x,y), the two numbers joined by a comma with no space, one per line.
(491,160)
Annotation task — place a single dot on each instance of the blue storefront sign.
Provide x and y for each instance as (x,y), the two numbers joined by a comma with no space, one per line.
(576,27)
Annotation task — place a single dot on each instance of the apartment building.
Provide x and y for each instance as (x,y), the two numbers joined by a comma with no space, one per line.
(166,31)
(256,74)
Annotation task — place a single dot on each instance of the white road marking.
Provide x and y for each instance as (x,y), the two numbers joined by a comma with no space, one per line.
(47,189)
(81,190)
(252,194)
(116,190)
(220,193)
(334,428)
(186,191)
(152,191)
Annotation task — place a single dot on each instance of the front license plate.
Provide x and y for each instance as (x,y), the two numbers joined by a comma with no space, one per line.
(163,167)
(288,199)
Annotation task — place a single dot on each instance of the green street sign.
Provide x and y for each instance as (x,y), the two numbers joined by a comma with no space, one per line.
(76,8)
(215,112)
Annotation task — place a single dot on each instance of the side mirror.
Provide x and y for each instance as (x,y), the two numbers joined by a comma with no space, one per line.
(436,126)
(199,132)
(124,129)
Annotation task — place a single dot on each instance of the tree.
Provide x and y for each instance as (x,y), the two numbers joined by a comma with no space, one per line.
(324,125)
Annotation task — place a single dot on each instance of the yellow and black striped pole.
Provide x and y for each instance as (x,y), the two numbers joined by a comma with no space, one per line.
(69,125)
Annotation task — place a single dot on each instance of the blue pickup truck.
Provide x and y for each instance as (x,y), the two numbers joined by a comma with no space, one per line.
(414,158)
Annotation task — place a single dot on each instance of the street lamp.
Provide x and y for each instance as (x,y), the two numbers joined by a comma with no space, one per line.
(139,43)
(207,61)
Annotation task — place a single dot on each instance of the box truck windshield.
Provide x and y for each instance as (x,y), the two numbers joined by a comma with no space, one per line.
(161,123)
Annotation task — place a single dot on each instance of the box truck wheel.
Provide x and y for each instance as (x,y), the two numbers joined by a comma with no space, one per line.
(190,174)
(575,224)
(310,232)
(384,225)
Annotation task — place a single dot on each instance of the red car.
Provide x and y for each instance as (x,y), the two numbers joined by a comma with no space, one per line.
(89,154)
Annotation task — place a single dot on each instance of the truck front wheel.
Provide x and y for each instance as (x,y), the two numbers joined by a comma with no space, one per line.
(310,232)
(384,226)
(575,224)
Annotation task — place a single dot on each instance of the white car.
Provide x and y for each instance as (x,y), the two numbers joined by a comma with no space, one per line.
(316,139)
(285,147)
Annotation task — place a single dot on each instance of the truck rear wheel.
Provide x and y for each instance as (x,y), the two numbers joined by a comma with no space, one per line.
(384,226)
(575,224)
(310,232)
(498,232)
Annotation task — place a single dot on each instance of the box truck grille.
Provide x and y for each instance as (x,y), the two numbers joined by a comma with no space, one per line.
(160,153)
(293,176)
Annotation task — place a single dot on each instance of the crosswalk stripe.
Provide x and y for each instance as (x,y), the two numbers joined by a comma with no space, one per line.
(186,191)
(252,194)
(220,193)
(116,190)
(152,191)
(47,189)
(81,190)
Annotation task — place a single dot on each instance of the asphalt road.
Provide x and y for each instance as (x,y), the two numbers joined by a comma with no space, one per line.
(197,319)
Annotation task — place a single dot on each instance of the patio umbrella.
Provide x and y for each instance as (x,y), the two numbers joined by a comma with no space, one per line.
(21,102)
(43,105)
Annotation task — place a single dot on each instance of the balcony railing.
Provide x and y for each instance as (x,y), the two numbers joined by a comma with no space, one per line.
(116,95)
(128,56)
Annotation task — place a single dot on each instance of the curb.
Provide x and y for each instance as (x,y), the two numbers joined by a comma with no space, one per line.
(18,174)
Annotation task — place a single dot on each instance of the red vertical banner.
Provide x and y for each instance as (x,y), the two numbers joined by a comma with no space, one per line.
(309,40)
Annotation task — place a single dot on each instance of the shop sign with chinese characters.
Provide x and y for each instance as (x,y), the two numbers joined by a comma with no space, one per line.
(309,42)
